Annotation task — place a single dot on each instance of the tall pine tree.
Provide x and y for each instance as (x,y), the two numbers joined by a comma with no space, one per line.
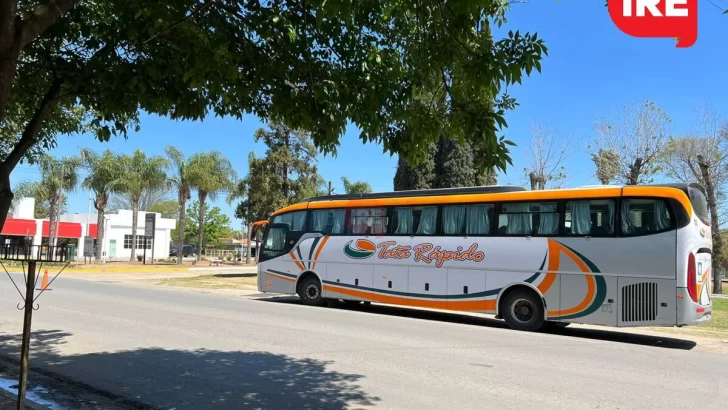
(448,165)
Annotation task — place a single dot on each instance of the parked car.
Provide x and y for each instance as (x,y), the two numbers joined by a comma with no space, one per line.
(187,250)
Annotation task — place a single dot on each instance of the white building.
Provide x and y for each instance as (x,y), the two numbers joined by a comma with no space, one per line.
(73,227)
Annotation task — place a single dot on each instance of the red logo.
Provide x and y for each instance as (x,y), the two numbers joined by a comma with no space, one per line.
(657,18)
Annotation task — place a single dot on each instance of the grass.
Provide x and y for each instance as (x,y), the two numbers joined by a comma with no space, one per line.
(246,281)
(719,321)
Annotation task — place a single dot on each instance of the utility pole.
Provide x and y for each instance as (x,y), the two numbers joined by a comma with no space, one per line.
(331,190)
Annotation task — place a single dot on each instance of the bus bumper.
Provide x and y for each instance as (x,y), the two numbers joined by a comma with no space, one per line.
(690,313)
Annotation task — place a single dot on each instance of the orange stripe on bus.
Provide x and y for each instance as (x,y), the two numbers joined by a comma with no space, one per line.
(287,279)
(299,264)
(318,251)
(590,290)
(464,305)
(663,192)
(703,281)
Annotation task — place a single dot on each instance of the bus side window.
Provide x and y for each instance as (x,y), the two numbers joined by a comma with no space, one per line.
(471,219)
(328,221)
(535,218)
(367,221)
(590,218)
(644,216)
(296,220)
(414,220)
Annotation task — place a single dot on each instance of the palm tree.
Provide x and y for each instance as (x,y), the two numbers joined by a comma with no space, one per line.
(180,179)
(210,173)
(140,172)
(57,176)
(104,178)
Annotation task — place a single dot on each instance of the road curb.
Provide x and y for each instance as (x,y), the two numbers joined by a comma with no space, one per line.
(6,396)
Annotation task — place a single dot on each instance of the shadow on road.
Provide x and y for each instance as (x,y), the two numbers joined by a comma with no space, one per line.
(198,379)
(597,334)
(235,275)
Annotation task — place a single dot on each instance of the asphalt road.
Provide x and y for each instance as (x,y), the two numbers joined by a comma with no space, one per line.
(187,350)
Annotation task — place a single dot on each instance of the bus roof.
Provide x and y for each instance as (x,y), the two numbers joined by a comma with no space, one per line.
(490,189)
(491,193)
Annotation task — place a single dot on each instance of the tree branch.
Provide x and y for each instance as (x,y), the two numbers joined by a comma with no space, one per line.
(43,17)
(27,140)
(8,14)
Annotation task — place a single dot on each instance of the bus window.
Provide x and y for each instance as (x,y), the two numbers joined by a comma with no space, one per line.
(418,220)
(644,216)
(275,243)
(589,218)
(328,221)
(536,218)
(699,202)
(466,219)
(296,221)
(368,221)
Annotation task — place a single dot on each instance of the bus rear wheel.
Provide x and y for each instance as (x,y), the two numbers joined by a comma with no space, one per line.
(311,293)
(523,310)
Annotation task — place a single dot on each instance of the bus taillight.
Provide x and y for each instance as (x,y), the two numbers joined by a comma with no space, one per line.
(692,284)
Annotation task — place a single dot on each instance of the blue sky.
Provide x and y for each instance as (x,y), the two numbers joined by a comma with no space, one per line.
(591,65)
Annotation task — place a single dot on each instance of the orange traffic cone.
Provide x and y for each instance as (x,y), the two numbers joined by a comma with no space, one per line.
(44,284)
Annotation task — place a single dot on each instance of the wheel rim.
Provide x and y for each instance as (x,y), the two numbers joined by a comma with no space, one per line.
(312,291)
(522,310)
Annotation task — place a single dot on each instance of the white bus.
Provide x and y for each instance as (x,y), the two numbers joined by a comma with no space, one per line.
(613,256)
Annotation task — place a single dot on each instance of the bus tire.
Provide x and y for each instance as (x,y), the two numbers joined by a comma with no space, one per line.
(311,292)
(523,309)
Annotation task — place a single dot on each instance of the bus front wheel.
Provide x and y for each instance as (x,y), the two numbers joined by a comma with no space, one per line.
(311,293)
(523,309)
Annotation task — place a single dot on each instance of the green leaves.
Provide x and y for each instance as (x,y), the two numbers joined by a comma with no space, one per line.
(316,66)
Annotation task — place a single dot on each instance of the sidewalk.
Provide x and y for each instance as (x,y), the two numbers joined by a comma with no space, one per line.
(134,268)
(9,401)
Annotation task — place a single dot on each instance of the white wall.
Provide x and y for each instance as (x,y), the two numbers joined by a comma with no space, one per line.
(118,225)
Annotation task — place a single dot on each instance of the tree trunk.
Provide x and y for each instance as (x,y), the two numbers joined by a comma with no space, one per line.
(717,256)
(635,171)
(100,205)
(534,181)
(181,232)
(52,206)
(6,194)
(250,243)
(202,196)
(134,219)
(99,235)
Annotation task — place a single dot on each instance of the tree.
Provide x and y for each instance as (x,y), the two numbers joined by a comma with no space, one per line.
(180,180)
(547,153)
(607,165)
(215,225)
(448,164)
(104,177)
(57,176)
(317,66)
(33,189)
(210,173)
(416,175)
(168,209)
(287,174)
(703,157)
(150,197)
(140,172)
(637,138)
(357,187)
